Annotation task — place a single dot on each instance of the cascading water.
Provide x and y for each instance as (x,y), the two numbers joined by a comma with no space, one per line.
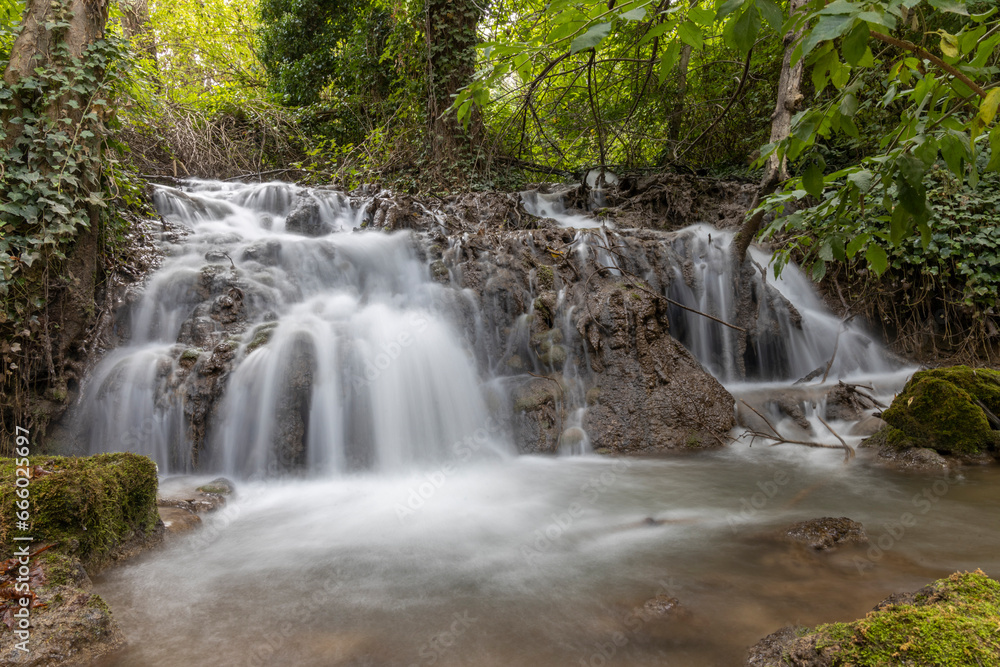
(361,368)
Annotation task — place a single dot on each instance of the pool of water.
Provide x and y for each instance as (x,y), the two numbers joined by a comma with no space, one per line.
(544,561)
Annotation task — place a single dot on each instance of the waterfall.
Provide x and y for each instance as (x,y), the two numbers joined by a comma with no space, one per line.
(344,356)
(278,334)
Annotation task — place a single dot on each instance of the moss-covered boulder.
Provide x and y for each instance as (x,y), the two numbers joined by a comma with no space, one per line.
(951,623)
(83,514)
(950,410)
(96,508)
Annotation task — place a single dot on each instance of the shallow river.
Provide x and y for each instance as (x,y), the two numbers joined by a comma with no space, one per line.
(544,561)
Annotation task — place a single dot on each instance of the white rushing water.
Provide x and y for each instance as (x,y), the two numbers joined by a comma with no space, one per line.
(338,311)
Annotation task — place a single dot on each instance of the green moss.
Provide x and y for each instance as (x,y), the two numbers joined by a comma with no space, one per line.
(88,505)
(261,336)
(546,277)
(952,623)
(940,409)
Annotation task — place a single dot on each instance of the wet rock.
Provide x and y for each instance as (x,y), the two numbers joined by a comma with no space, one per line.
(216,256)
(909,458)
(178,520)
(845,404)
(663,606)
(572,438)
(950,410)
(827,532)
(305,218)
(440,273)
(866,426)
(267,253)
(220,486)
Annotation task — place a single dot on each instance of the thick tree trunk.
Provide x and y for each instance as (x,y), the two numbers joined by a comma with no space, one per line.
(46,43)
(776,171)
(451,60)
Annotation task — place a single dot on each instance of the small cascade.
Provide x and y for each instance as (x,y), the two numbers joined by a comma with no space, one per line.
(328,350)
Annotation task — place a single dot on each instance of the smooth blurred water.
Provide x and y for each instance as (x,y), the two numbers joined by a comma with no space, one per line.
(552,559)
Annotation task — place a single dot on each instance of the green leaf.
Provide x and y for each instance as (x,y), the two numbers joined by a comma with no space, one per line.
(819,269)
(862,179)
(911,169)
(656,31)
(690,34)
(772,14)
(588,40)
(701,16)
(856,244)
(636,14)
(849,105)
(729,7)
(669,59)
(827,28)
(949,44)
(988,107)
(994,164)
(745,29)
(855,44)
(877,259)
(899,225)
(954,152)
(812,179)
(953,6)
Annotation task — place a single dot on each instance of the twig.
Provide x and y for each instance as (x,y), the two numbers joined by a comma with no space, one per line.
(847,448)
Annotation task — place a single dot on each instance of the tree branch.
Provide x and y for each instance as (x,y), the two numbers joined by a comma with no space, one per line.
(927,55)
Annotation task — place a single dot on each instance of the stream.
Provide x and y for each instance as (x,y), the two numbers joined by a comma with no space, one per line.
(384,514)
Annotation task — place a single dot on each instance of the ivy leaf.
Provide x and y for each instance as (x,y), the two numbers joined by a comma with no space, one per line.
(588,40)
(855,43)
(877,259)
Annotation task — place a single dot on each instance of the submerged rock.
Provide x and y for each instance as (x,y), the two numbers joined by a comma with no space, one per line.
(950,622)
(827,532)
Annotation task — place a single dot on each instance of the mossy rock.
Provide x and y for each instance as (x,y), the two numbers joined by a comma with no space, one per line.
(951,623)
(93,507)
(940,409)
(261,336)
(546,277)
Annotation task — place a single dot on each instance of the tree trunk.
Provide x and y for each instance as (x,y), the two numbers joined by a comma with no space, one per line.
(54,39)
(781,123)
(135,21)
(677,113)
(451,60)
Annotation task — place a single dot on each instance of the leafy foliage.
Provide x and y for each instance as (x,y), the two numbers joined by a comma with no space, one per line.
(946,108)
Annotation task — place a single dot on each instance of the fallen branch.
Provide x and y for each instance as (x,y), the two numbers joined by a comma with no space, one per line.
(781,440)
(847,448)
